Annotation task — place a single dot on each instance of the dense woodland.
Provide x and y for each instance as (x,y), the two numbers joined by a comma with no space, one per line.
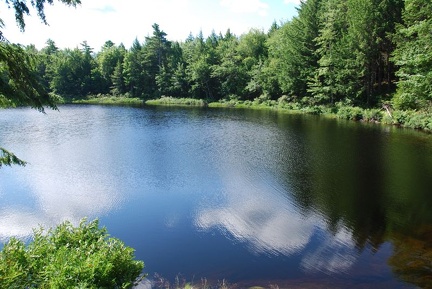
(353,52)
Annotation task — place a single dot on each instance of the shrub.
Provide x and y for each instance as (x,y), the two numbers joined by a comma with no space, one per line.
(350,113)
(69,257)
(172,101)
(263,99)
(316,109)
(374,115)
(400,117)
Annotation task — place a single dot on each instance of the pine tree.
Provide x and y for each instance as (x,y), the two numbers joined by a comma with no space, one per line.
(292,50)
(413,56)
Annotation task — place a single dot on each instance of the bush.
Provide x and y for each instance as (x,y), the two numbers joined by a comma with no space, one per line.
(373,115)
(316,109)
(172,101)
(350,113)
(69,257)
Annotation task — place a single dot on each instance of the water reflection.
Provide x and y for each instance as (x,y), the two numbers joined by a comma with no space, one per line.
(63,180)
(57,197)
(333,255)
(412,258)
(263,219)
(287,197)
(18,222)
(259,211)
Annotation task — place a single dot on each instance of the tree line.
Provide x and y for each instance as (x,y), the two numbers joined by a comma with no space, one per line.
(356,52)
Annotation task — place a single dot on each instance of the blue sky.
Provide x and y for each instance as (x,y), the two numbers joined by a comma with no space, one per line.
(121,21)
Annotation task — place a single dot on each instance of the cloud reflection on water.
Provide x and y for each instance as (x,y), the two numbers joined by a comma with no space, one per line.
(259,215)
(333,255)
(269,223)
(57,203)
(18,223)
(62,188)
(66,183)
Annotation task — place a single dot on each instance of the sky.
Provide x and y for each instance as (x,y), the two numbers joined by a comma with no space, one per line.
(123,21)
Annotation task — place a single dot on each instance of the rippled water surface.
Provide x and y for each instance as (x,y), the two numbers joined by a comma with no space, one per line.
(252,197)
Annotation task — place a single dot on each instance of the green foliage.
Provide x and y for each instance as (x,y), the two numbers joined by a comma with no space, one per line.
(356,113)
(372,115)
(155,58)
(74,72)
(110,65)
(69,257)
(350,113)
(134,74)
(110,100)
(171,101)
(292,49)
(411,119)
(8,159)
(20,85)
(354,50)
(333,51)
(200,57)
(413,55)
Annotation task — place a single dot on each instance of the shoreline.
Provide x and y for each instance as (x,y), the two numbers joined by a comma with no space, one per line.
(411,119)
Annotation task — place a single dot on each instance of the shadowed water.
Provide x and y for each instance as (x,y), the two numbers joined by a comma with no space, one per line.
(253,197)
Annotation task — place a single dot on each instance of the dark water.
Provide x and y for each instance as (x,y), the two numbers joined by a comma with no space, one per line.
(252,197)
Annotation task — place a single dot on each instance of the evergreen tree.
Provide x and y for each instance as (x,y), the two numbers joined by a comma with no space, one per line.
(199,58)
(171,79)
(353,48)
(117,78)
(20,84)
(74,73)
(228,70)
(327,85)
(87,67)
(292,50)
(110,58)
(134,71)
(253,51)
(45,57)
(413,56)
(155,59)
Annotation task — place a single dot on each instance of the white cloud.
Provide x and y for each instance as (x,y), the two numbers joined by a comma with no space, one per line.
(295,2)
(246,6)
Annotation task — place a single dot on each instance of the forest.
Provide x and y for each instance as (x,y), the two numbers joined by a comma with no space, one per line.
(366,54)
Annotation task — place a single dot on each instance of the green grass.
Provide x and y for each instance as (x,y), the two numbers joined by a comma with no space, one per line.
(110,100)
(420,120)
(171,101)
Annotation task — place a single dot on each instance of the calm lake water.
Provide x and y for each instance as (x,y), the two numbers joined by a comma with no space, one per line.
(252,197)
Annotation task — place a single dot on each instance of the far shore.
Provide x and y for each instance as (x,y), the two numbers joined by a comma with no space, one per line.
(418,120)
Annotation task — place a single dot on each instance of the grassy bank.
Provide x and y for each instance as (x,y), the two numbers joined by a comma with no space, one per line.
(110,100)
(420,120)
(171,101)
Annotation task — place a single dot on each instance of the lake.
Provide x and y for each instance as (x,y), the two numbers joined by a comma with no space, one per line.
(247,196)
